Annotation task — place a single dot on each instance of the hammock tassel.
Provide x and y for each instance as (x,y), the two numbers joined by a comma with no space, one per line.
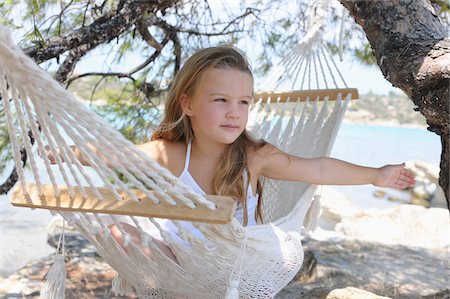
(312,216)
(121,286)
(233,289)
(55,284)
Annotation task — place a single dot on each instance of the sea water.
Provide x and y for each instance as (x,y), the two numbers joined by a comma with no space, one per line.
(376,146)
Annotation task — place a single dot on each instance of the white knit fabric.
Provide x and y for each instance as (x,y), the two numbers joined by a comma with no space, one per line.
(273,251)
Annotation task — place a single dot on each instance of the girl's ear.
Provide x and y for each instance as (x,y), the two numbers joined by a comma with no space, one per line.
(186,105)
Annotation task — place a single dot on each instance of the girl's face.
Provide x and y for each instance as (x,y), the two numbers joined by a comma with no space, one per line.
(219,107)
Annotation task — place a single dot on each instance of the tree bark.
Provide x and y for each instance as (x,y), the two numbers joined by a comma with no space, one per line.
(14,176)
(412,49)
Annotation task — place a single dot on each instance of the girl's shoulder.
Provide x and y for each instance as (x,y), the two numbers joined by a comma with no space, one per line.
(258,157)
(167,153)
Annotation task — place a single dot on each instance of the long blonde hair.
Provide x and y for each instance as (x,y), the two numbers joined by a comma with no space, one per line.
(176,126)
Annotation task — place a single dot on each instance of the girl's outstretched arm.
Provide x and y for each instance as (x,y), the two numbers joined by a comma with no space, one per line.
(277,164)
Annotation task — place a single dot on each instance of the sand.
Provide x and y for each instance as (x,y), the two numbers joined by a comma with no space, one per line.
(23,236)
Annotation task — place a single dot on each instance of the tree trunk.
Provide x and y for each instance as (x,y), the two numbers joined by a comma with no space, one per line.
(412,49)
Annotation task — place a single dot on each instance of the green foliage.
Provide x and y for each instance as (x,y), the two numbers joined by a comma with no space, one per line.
(263,65)
(124,179)
(5,13)
(35,37)
(365,54)
(5,148)
(122,106)
(124,48)
(394,108)
(444,10)
(6,154)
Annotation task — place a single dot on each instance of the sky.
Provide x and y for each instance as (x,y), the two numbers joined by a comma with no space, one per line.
(365,78)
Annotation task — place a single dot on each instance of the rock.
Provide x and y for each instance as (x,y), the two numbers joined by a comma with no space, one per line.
(426,192)
(392,271)
(352,293)
(335,207)
(88,276)
(22,236)
(427,184)
(75,242)
(399,196)
(379,194)
(438,199)
(407,225)
(424,170)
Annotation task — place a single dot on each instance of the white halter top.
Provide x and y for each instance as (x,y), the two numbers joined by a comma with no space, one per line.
(252,200)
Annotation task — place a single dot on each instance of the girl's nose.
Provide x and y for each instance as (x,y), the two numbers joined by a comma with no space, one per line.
(232,112)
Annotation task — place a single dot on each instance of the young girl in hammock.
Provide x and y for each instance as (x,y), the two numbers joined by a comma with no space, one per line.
(203,140)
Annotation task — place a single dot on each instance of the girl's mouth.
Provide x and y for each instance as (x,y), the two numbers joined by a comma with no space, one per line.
(230,127)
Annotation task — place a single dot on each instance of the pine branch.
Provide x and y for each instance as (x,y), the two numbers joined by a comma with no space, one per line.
(100,31)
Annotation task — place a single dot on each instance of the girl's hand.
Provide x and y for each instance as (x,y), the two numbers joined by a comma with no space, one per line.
(75,151)
(48,152)
(50,156)
(395,176)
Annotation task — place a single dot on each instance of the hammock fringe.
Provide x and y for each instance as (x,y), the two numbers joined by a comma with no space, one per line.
(312,216)
(55,284)
(121,286)
(233,290)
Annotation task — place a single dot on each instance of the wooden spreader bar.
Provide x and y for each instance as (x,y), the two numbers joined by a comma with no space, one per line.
(224,212)
(304,94)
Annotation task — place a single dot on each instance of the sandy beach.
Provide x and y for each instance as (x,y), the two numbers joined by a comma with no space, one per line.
(23,236)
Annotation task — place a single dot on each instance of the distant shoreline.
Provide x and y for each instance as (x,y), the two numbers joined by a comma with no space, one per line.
(392,124)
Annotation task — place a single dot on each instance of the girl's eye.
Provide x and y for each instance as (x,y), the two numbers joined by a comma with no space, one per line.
(244,102)
(220,100)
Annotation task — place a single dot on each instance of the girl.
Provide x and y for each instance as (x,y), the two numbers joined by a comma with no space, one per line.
(203,140)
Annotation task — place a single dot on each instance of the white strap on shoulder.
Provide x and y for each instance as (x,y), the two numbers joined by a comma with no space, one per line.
(188,156)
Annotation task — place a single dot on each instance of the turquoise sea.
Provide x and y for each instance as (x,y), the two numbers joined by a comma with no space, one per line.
(379,145)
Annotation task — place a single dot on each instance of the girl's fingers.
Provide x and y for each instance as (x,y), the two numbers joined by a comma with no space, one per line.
(405,182)
(408,176)
(400,185)
(397,176)
(408,173)
(407,179)
(397,186)
(49,154)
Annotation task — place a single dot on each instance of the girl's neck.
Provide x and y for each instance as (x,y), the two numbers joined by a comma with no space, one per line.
(210,151)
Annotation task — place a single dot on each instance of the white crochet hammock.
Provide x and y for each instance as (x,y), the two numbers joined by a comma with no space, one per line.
(256,261)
